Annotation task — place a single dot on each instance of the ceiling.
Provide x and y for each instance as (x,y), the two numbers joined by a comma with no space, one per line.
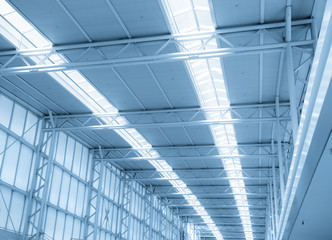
(139,84)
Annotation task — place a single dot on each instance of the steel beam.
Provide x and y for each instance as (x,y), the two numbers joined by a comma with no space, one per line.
(160,58)
(204,187)
(180,37)
(193,170)
(194,147)
(235,232)
(214,206)
(230,224)
(193,158)
(189,150)
(169,118)
(168,124)
(211,190)
(216,194)
(196,178)
(223,110)
(204,197)
(203,237)
(48,66)
(219,216)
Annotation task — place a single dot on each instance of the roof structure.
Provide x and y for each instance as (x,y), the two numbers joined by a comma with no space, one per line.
(197,100)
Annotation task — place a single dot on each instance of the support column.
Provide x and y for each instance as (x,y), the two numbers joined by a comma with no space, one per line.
(290,72)
(163,222)
(92,216)
(275,197)
(126,210)
(272,212)
(37,198)
(148,214)
(29,218)
(87,218)
(97,221)
(280,160)
(175,226)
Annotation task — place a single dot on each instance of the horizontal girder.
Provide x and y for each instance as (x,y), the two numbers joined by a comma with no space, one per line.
(230,224)
(209,194)
(196,170)
(192,158)
(221,216)
(198,178)
(179,37)
(215,206)
(169,124)
(210,189)
(188,150)
(103,60)
(250,113)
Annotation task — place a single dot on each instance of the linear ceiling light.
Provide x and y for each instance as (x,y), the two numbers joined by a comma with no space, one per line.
(191,16)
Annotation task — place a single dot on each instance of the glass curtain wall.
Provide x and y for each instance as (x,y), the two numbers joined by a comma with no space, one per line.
(69,197)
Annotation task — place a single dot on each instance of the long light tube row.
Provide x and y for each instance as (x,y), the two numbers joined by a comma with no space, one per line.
(24,35)
(191,16)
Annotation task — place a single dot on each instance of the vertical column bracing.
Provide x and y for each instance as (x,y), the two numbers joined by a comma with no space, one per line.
(148,215)
(38,194)
(126,210)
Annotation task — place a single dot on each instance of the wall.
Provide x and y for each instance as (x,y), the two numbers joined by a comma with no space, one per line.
(73,196)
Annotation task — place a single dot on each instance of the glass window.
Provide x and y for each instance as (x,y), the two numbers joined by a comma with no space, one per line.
(6,107)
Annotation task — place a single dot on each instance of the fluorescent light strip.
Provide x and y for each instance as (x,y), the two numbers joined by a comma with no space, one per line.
(208,79)
(23,35)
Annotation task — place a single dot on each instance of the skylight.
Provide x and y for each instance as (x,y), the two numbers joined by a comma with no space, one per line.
(23,35)
(192,16)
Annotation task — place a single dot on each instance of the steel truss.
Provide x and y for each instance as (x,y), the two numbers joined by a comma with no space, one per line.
(219,203)
(148,215)
(163,221)
(171,118)
(233,229)
(92,217)
(192,175)
(216,206)
(193,158)
(126,216)
(224,224)
(37,197)
(164,53)
(209,189)
(222,211)
(187,151)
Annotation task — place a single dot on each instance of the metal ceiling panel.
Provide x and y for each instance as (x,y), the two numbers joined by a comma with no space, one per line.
(236,13)
(141,18)
(51,20)
(96,18)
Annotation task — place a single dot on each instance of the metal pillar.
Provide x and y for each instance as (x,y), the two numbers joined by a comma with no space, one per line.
(101,166)
(175,230)
(126,210)
(148,214)
(290,73)
(273,229)
(119,212)
(163,220)
(276,211)
(280,160)
(92,221)
(28,217)
(35,217)
(88,216)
